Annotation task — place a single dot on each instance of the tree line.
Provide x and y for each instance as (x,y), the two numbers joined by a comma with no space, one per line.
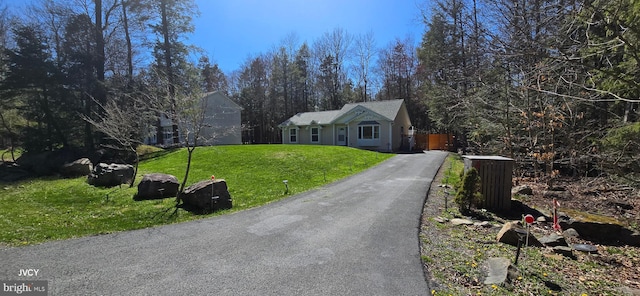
(551,83)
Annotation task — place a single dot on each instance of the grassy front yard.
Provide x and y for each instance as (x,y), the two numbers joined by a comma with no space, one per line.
(39,210)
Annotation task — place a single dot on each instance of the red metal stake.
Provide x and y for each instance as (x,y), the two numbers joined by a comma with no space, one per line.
(556,225)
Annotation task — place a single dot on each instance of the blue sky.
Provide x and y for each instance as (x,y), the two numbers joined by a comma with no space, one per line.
(230,31)
(233,30)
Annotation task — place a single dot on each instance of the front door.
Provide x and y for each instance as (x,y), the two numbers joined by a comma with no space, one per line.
(342,136)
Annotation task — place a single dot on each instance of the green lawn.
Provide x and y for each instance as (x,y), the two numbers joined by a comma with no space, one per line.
(39,210)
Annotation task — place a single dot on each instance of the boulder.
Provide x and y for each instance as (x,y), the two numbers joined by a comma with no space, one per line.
(157,186)
(601,232)
(557,194)
(207,196)
(441,219)
(79,167)
(109,175)
(553,240)
(497,270)
(458,221)
(587,248)
(522,190)
(11,172)
(564,251)
(46,163)
(484,224)
(571,233)
(511,232)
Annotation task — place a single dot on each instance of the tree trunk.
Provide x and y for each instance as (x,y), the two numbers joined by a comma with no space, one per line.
(100,93)
(168,60)
(135,168)
(127,37)
(186,173)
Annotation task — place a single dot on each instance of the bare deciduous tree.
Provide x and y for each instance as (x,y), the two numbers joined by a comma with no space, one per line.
(365,50)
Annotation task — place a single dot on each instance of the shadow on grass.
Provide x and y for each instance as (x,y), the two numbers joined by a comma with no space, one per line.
(172,212)
(518,210)
(157,154)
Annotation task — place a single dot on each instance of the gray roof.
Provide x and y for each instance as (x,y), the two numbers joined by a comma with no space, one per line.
(309,118)
(387,109)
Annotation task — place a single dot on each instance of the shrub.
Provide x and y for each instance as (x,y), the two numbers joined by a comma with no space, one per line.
(621,147)
(468,194)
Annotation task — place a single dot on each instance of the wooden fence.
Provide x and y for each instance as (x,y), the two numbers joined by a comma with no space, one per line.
(434,142)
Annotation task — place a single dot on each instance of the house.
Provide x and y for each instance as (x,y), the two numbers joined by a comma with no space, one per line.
(379,125)
(222,124)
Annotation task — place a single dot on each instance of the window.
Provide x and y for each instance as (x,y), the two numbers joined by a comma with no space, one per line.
(293,135)
(167,134)
(369,132)
(315,135)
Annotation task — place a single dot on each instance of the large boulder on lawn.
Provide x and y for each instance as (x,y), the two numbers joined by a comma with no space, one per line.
(207,196)
(11,172)
(157,186)
(80,167)
(511,232)
(109,175)
(46,163)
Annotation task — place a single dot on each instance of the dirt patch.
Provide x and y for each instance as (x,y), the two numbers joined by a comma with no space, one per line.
(454,257)
(599,196)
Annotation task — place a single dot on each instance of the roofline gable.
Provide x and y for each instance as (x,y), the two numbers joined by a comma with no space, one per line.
(221,93)
(347,114)
(358,110)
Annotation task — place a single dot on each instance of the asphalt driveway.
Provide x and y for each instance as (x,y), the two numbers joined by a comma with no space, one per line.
(358,236)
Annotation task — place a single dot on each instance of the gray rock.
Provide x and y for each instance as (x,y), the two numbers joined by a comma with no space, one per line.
(512,232)
(571,233)
(485,224)
(497,270)
(157,186)
(80,167)
(585,248)
(11,172)
(622,205)
(522,190)
(207,196)
(603,232)
(458,221)
(563,250)
(441,219)
(629,291)
(109,175)
(553,240)
(561,195)
(541,219)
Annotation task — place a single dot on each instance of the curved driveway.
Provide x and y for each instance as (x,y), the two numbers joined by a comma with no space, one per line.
(358,236)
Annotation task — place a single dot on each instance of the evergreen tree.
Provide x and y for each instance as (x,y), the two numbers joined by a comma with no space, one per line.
(33,80)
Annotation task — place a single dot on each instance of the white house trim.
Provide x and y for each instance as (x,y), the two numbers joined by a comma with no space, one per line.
(390,134)
(333,134)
